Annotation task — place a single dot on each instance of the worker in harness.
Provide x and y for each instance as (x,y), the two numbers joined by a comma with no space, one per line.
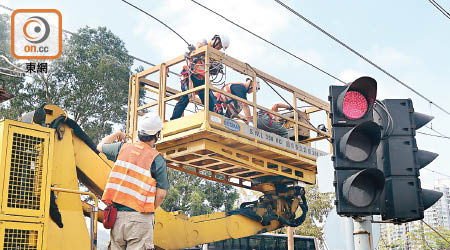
(195,72)
(137,184)
(232,107)
(271,123)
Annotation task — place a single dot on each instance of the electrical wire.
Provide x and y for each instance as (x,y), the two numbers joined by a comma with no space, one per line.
(431,128)
(436,232)
(440,8)
(74,34)
(7,74)
(269,42)
(360,55)
(436,172)
(390,121)
(12,64)
(439,136)
(161,22)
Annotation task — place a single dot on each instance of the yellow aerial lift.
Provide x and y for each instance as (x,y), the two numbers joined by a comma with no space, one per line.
(46,155)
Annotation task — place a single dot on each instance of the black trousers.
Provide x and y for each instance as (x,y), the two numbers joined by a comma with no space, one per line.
(184,100)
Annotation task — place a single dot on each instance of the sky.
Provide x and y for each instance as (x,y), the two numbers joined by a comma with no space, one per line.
(409,39)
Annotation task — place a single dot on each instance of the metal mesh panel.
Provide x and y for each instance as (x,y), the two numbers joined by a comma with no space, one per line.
(20,239)
(26,172)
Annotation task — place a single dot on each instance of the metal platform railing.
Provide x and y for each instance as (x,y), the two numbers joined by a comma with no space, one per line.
(206,131)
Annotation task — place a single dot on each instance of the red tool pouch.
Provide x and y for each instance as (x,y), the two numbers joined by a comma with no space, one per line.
(109,216)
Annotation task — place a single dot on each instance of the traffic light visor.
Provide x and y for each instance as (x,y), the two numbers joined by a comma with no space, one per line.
(361,142)
(364,187)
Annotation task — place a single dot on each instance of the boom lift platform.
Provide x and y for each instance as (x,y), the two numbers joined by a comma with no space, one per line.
(226,150)
(46,155)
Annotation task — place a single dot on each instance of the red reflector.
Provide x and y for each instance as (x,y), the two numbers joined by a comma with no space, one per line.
(354,105)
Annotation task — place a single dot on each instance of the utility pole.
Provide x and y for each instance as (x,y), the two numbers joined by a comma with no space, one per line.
(290,234)
(362,233)
(349,242)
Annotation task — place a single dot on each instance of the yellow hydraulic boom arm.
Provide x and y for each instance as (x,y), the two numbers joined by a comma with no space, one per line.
(64,156)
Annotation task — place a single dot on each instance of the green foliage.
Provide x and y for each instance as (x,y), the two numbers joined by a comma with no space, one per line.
(13,85)
(90,81)
(319,204)
(426,238)
(196,196)
(421,237)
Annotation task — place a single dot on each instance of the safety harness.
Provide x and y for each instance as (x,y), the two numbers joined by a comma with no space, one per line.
(232,106)
(263,112)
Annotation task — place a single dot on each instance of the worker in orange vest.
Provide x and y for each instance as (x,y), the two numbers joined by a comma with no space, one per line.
(137,184)
(232,107)
(195,71)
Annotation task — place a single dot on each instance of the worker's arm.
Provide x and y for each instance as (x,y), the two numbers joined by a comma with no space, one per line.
(159,172)
(118,135)
(160,196)
(276,106)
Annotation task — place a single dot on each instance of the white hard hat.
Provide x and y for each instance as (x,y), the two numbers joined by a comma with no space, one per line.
(225,41)
(257,85)
(150,124)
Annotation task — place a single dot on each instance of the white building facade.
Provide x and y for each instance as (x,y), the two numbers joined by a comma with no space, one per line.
(436,216)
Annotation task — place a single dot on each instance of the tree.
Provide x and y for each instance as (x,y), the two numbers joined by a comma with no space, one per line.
(319,204)
(90,81)
(13,85)
(196,196)
(425,238)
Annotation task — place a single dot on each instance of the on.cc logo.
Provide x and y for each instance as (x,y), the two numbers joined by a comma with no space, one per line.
(36,29)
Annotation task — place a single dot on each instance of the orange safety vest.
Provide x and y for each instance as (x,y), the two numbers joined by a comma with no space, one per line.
(232,106)
(198,65)
(130,182)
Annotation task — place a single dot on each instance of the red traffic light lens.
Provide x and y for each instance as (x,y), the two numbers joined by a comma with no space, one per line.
(354,105)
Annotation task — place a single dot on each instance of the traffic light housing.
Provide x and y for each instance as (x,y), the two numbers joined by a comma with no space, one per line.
(355,139)
(400,159)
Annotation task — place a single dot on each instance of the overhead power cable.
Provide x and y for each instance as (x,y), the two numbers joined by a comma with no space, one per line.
(431,128)
(74,34)
(440,235)
(440,136)
(161,22)
(440,8)
(436,172)
(360,55)
(269,42)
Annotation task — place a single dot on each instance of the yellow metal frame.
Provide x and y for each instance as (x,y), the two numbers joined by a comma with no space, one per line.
(23,235)
(39,194)
(198,126)
(23,217)
(212,160)
(95,211)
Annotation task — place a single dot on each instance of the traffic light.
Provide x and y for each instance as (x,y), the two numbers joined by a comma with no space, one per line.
(399,158)
(355,139)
